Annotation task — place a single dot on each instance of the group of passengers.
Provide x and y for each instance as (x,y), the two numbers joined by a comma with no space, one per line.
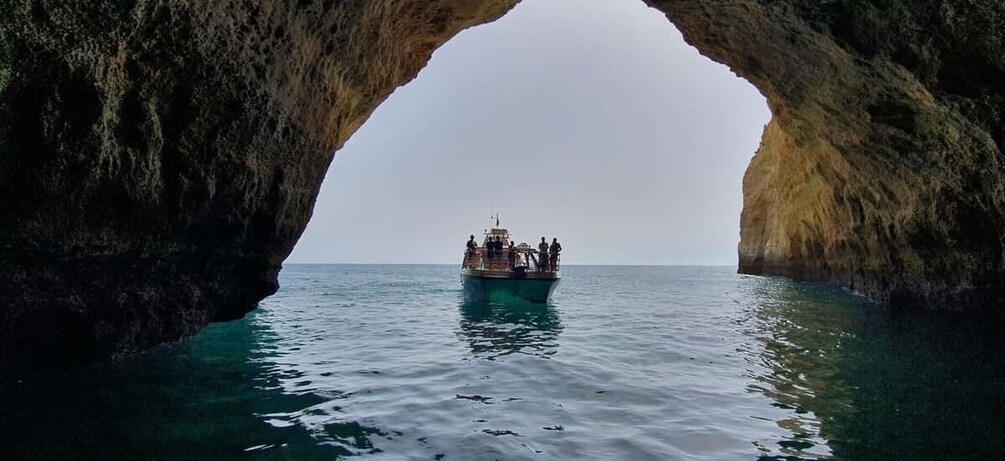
(494,248)
(549,254)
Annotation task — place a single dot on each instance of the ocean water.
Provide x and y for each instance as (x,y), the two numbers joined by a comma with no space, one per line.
(388,362)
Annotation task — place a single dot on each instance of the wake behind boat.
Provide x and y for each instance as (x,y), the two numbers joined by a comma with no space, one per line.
(499,270)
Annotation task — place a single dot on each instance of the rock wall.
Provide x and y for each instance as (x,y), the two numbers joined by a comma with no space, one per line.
(882,166)
(159,158)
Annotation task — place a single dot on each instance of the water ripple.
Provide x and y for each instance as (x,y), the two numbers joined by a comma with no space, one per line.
(388,362)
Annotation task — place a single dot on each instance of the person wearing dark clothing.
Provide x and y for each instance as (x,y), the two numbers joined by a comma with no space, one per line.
(512,254)
(542,255)
(496,245)
(554,250)
(469,255)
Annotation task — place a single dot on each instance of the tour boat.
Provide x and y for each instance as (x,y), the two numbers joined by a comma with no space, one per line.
(529,275)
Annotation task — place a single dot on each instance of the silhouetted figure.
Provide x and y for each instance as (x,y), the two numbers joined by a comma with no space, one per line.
(497,249)
(542,254)
(469,255)
(490,249)
(554,250)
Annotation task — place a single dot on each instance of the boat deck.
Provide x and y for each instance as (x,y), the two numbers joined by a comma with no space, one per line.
(511,274)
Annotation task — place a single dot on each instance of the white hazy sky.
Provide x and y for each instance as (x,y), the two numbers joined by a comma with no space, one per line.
(589,120)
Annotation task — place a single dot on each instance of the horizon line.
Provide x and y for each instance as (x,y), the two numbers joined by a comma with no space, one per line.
(453,264)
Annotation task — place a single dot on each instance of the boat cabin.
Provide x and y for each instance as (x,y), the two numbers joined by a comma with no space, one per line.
(521,258)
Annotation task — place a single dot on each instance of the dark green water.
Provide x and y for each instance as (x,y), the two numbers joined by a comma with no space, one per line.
(626,363)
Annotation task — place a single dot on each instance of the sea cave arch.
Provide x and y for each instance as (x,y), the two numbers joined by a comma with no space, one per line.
(598,125)
(161,158)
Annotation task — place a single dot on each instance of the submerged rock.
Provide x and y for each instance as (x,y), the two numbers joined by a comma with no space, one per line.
(159,159)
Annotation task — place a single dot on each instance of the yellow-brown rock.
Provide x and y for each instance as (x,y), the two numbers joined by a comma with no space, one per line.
(159,158)
(882,166)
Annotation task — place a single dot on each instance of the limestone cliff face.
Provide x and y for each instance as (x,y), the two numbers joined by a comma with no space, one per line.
(159,158)
(882,166)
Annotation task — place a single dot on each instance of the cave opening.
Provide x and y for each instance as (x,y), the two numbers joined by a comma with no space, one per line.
(592,121)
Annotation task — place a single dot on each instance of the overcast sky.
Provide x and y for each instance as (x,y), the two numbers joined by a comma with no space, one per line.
(589,120)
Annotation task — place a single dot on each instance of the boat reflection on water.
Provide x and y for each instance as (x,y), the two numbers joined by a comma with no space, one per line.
(494,330)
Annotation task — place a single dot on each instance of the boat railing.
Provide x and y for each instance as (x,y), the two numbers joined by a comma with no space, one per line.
(530,259)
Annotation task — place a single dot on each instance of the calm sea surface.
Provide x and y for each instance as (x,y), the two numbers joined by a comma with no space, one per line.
(388,362)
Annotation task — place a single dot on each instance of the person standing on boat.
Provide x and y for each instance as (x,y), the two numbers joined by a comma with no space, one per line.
(497,248)
(555,249)
(472,249)
(542,255)
(543,246)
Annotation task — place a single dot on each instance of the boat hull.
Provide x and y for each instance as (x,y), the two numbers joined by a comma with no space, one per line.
(500,289)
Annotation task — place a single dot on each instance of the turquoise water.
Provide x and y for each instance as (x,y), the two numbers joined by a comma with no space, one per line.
(625,363)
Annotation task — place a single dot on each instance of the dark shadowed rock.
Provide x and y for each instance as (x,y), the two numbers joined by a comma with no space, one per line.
(159,159)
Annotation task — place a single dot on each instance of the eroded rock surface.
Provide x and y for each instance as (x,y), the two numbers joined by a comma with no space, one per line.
(882,166)
(159,158)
